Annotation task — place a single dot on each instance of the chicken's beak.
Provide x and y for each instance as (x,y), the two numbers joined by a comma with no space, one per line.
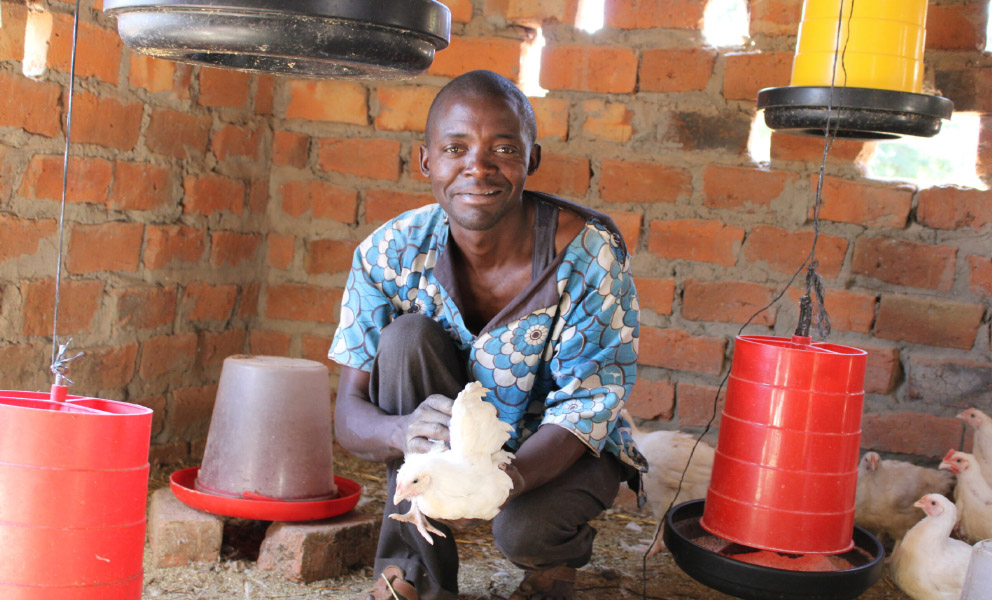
(400,494)
(949,466)
(921,503)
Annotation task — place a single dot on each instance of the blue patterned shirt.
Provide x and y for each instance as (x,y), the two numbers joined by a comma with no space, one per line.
(563,352)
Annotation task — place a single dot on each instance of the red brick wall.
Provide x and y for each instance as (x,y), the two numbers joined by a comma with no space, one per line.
(214,212)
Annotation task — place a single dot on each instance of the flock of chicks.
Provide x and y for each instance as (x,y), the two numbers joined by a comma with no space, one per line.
(931,554)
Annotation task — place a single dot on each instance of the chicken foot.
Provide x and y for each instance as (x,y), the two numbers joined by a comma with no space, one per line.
(418,519)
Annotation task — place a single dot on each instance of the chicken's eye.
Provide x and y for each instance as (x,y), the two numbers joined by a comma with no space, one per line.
(416,480)
(933,503)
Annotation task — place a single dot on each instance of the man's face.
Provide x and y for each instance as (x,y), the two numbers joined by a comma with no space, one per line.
(478,159)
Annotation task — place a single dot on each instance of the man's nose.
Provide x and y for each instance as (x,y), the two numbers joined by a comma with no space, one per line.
(479,162)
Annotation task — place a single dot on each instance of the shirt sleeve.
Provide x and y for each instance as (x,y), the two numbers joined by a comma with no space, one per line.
(595,361)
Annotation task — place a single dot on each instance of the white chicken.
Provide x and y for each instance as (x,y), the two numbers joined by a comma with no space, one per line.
(887,490)
(928,564)
(982,446)
(464,481)
(974,496)
(667,453)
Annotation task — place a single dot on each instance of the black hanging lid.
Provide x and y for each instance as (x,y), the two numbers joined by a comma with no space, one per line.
(354,39)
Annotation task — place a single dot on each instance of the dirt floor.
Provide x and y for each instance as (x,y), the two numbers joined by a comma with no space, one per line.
(616,571)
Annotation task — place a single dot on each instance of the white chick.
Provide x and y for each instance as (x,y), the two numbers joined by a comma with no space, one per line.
(887,490)
(982,448)
(974,496)
(464,481)
(928,564)
(667,453)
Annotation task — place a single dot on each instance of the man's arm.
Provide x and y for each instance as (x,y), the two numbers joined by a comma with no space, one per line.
(546,454)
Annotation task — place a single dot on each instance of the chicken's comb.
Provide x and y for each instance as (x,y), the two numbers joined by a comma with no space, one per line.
(950,454)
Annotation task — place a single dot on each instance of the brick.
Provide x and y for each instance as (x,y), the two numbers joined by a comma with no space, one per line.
(465,54)
(775,17)
(258,196)
(863,204)
(882,370)
(179,535)
(208,194)
(205,301)
(848,311)
(680,351)
(695,405)
(88,179)
(652,399)
(232,141)
(177,135)
(784,250)
(956,27)
(584,68)
(367,158)
(214,348)
(529,12)
(268,343)
(7,172)
(651,14)
(745,74)
(14,19)
(461,10)
(403,108)
(146,307)
(290,149)
(20,363)
(928,321)
(673,71)
(728,132)
(306,552)
(627,181)
(696,239)
(22,237)
(727,302)
(739,188)
(167,244)
(941,381)
(29,105)
(79,302)
(281,249)
(106,121)
(230,248)
(319,199)
(787,146)
(969,87)
(101,47)
(629,224)
(328,256)
(561,175)
(334,101)
(167,356)
(552,117)
(315,348)
(141,186)
(224,88)
(248,301)
(104,368)
(979,274)
(911,433)
(903,262)
(105,247)
(655,294)
(265,94)
(382,205)
(607,121)
(954,208)
(297,302)
(150,73)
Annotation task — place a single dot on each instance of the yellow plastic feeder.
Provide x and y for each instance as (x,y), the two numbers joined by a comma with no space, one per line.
(860,65)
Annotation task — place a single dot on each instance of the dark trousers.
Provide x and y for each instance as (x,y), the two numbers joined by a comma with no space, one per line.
(545,527)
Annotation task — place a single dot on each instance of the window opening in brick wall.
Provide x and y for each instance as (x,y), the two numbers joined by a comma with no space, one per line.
(530,63)
(590,15)
(725,23)
(948,158)
(759,140)
(37,34)
(988,30)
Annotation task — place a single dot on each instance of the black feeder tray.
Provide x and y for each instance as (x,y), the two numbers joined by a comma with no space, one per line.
(863,114)
(734,569)
(344,39)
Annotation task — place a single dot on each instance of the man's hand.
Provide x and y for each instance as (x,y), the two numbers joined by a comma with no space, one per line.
(428,424)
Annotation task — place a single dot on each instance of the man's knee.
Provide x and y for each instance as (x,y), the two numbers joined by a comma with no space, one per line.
(409,336)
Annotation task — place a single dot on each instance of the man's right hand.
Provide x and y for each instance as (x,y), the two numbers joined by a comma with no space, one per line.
(428,424)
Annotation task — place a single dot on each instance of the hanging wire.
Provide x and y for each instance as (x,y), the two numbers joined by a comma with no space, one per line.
(813,281)
(60,362)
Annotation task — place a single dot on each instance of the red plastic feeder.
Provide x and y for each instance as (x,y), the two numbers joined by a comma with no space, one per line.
(73,485)
(786,464)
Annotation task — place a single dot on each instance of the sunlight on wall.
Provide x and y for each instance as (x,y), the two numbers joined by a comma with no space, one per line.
(948,158)
(759,141)
(530,63)
(590,15)
(725,23)
(37,34)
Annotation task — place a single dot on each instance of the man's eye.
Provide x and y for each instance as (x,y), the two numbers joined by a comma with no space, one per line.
(506,150)
(451,149)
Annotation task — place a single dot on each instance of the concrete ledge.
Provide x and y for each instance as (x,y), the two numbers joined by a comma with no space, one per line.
(315,550)
(178,534)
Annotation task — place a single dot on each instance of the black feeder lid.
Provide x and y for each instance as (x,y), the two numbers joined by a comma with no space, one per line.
(863,114)
(343,39)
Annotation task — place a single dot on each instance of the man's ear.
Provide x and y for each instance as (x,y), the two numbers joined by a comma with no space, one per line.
(425,165)
(535,158)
